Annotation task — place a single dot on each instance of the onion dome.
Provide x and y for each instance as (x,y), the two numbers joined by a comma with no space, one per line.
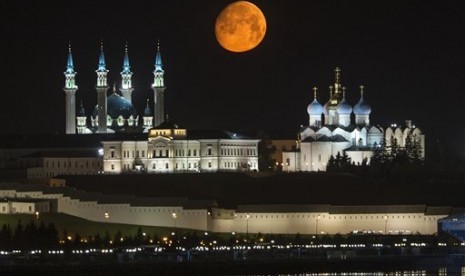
(315,108)
(362,107)
(81,111)
(344,107)
(147,110)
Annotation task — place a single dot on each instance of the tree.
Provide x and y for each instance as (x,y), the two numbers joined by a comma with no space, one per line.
(266,149)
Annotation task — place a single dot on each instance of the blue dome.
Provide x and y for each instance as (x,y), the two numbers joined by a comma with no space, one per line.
(362,107)
(344,107)
(315,108)
(116,106)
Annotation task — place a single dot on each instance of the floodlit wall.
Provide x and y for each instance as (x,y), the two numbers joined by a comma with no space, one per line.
(228,220)
(325,223)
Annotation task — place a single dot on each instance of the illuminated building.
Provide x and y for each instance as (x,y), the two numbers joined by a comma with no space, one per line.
(332,130)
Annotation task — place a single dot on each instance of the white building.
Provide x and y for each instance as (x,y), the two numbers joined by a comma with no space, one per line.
(24,206)
(339,127)
(172,149)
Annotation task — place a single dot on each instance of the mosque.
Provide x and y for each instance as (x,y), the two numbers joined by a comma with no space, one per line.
(165,147)
(338,127)
(114,112)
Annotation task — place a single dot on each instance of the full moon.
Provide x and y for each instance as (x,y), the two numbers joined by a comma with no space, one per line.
(240,27)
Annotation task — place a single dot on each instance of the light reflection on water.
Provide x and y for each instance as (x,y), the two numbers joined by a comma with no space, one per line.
(443,271)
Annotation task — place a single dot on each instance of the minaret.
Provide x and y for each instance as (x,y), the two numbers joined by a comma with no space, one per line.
(126,74)
(102,88)
(158,87)
(70,90)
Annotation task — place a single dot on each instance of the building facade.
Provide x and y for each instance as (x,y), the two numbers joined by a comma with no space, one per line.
(338,127)
(171,149)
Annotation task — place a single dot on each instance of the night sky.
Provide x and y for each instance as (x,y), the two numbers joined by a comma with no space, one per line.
(408,54)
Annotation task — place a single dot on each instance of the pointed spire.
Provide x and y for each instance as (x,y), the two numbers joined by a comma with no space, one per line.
(126,67)
(101,59)
(147,111)
(158,62)
(361,90)
(69,63)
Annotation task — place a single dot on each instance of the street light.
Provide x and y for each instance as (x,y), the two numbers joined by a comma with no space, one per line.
(107,216)
(37,215)
(316,227)
(175,216)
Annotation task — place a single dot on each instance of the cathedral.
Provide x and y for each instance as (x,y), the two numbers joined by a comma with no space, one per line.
(165,147)
(338,127)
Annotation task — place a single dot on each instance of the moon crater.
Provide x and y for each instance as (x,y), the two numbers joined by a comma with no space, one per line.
(240,27)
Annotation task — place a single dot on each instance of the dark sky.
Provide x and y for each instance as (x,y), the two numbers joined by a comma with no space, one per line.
(408,54)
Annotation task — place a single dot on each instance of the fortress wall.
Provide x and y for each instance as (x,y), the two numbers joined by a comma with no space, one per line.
(231,221)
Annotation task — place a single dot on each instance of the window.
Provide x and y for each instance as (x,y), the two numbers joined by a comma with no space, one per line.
(154,166)
(112,166)
(319,157)
(209,151)
(189,152)
(143,153)
(166,165)
(112,153)
(209,164)
(167,153)
(195,152)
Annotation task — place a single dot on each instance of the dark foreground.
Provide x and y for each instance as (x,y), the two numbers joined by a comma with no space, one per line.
(295,263)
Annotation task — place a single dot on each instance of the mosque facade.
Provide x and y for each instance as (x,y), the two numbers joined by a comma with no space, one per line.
(114,111)
(337,127)
(165,147)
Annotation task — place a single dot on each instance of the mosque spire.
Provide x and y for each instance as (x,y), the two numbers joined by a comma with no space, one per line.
(102,87)
(126,67)
(70,90)
(69,63)
(158,87)
(158,62)
(101,59)
(126,77)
